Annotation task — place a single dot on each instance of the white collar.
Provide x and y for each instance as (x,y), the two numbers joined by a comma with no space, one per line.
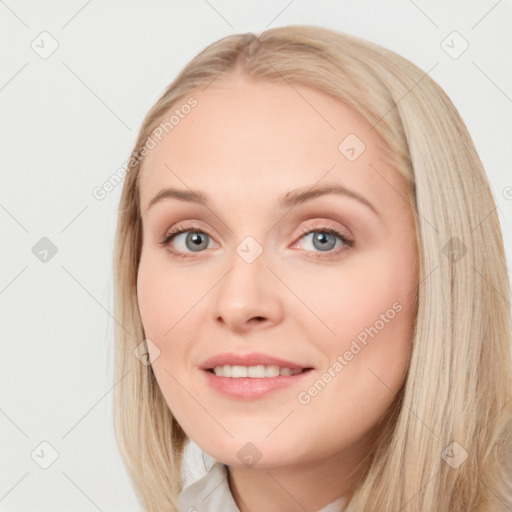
(211,493)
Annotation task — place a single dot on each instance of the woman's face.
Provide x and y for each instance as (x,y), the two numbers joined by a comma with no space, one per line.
(261,273)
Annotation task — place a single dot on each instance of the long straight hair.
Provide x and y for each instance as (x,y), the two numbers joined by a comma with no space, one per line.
(449,446)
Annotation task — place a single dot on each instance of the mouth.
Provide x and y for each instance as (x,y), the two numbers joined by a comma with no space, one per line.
(254,375)
(255,372)
(249,383)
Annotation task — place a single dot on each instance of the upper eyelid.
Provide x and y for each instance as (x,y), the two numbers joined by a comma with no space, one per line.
(195,226)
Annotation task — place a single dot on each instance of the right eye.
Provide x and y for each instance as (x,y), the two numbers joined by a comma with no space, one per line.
(193,241)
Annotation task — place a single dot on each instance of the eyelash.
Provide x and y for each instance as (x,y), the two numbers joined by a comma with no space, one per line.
(178,230)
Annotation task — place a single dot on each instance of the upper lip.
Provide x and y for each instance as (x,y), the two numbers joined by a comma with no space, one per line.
(250,359)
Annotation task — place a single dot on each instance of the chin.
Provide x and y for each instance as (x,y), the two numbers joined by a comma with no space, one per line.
(258,454)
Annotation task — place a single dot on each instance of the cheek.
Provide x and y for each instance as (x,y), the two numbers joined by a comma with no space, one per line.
(164,295)
(360,380)
(152,295)
(163,304)
(369,309)
(346,300)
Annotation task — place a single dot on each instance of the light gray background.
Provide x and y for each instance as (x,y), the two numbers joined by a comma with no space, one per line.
(69,121)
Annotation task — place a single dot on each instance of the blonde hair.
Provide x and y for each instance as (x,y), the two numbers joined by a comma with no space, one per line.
(459,384)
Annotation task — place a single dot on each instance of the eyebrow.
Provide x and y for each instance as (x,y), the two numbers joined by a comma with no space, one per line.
(290,199)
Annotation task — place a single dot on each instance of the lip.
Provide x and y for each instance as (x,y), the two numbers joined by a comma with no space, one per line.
(250,359)
(247,388)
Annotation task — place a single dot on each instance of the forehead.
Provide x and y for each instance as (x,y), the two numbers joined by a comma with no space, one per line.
(259,140)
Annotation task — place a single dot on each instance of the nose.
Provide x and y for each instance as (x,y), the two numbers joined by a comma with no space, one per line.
(248,296)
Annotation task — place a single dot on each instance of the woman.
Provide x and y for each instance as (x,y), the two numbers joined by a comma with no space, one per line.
(312,286)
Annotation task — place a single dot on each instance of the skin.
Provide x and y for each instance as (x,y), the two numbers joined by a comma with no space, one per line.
(245,145)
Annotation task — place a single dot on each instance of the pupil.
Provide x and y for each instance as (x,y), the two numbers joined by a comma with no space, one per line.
(322,238)
(196,240)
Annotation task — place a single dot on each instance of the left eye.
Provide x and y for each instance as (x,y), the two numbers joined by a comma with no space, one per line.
(322,239)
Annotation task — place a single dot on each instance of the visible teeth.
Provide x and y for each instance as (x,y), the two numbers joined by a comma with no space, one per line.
(238,371)
(272,371)
(255,372)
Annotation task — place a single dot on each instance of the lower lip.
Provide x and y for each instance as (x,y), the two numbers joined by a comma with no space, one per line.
(246,388)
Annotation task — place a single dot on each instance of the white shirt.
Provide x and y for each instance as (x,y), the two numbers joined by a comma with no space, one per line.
(211,493)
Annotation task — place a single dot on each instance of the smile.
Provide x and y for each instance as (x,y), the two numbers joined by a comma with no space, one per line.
(254,372)
(248,382)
